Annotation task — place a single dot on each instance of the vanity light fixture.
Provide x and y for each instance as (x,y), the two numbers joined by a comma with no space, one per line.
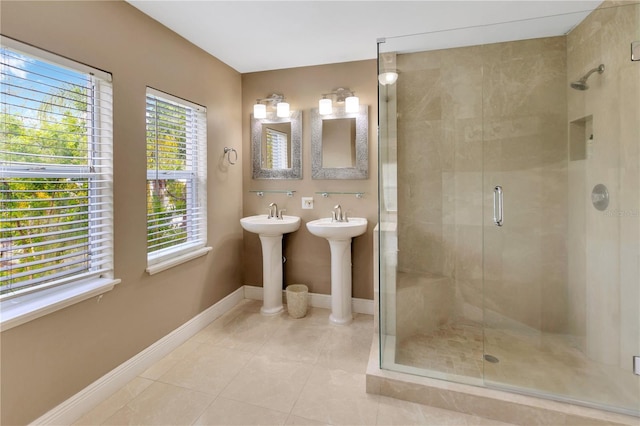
(260,107)
(388,77)
(342,95)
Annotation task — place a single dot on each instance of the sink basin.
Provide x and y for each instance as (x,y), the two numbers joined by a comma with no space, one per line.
(270,232)
(337,230)
(261,224)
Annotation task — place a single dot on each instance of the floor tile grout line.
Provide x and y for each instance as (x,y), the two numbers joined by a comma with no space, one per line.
(313,363)
(293,406)
(219,394)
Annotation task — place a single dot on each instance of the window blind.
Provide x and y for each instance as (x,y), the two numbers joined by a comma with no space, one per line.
(277,152)
(176,176)
(55,170)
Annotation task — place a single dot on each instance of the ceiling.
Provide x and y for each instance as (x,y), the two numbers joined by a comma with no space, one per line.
(254,36)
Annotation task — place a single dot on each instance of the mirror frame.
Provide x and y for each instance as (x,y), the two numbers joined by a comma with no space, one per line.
(295,172)
(361,168)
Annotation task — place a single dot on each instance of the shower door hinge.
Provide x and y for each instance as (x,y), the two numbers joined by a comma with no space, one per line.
(636,365)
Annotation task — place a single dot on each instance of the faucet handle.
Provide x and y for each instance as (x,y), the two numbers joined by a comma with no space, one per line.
(344,216)
(333,216)
(270,212)
(280,215)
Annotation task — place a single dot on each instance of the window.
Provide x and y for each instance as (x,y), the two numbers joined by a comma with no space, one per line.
(277,155)
(176,177)
(55,171)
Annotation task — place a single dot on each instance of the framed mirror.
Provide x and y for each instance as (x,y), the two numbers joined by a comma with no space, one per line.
(276,146)
(340,144)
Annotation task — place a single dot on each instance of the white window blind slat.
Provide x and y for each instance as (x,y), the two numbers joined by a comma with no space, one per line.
(76,257)
(176,175)
(46,252)
(277,149)
(55,171)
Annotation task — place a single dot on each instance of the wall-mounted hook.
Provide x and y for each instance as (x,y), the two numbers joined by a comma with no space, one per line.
(228,152)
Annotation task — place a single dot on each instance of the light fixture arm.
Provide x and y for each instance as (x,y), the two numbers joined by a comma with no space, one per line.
(272,99)
(282,107)
(340,93)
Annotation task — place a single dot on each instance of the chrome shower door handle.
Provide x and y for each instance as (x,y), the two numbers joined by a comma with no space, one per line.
(498,206)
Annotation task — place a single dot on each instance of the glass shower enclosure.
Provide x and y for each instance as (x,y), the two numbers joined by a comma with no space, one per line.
(510,208)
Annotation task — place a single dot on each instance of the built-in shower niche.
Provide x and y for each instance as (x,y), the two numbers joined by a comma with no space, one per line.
(580,138)
(580,147)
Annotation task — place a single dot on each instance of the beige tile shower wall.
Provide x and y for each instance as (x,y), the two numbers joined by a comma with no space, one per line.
(308,256)
(604,276)
(502,104)
(525,135)
(48,360)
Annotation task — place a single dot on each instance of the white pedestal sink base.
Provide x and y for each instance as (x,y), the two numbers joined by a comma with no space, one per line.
(339,235)
(271,274)
(340,281)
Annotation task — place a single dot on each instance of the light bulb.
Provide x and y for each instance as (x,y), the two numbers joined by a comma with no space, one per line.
(260,111)
(386,78)
(324,106)
(282,109)
(352,104)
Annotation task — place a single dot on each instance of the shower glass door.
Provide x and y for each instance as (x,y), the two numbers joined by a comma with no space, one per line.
(509,234)
(561,221)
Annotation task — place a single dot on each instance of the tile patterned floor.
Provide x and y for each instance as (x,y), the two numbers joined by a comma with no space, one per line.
(452,349)
(528,360)
(248,369)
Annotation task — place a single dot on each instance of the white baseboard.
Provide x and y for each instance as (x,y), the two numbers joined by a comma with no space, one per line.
(253,292)
(75,407)
(359,306)
(79,404)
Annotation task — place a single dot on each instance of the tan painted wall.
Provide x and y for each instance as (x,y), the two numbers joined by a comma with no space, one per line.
(49,359)
(308,257)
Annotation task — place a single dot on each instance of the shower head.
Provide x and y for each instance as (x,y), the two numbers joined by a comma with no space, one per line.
(582,83)
(579,85)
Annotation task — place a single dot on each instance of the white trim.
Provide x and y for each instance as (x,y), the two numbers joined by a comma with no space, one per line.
(79,404)
(170,263)
(22,309)
(253,292)
(175,99)
(53,58)
(363,306)
(359,306)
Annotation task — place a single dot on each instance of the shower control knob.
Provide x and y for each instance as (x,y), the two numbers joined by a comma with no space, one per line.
(600,197)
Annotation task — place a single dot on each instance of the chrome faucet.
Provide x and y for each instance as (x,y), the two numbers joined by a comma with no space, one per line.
(273,211)
(337,215)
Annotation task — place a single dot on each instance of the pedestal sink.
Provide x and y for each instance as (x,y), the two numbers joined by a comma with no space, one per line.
(270,231)
(339,235)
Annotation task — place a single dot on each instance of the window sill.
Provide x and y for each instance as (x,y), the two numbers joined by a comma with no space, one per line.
(164,265)
(22,309)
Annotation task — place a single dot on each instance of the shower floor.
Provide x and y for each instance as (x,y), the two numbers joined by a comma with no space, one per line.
(535,362)
(452,349)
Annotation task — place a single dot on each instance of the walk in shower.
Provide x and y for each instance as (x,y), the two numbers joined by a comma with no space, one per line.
(509,234)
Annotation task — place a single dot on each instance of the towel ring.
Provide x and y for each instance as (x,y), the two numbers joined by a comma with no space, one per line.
(228,151)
